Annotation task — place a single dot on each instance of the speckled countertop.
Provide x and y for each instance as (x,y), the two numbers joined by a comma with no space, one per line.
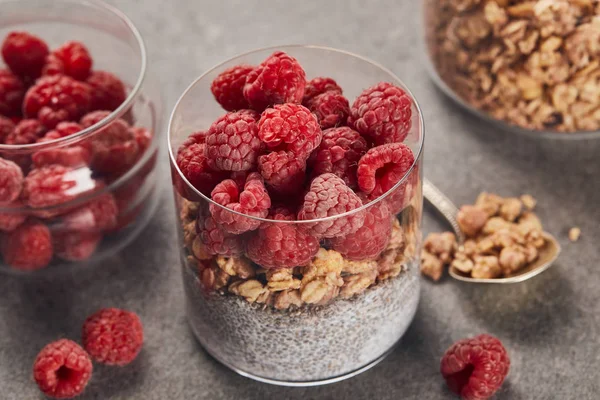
(550,324)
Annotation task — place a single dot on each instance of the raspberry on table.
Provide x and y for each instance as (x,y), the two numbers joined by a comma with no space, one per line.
(318,86)
(11,181)
(331,108)
(75,246)
(6,128)
(72,59)
(26,132)
(475,368)
(58,98)
(12,92)
(290,127)
(383,167)
(216,240)
(252,201)
(232,142)
(383,113)
(9,221)
(108,91)
(283,172)
(51,185)
(278,79)
(328,196)
(370,239)
(28,247)
(228,87)
(339,153)
(24,53)
(62,369)
(191,160)
(113,336)
(281,245)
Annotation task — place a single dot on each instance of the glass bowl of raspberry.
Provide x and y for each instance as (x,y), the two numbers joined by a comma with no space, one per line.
(297,179)
(79,127)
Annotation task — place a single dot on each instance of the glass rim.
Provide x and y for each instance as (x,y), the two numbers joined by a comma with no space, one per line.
(417,156)
(119,111)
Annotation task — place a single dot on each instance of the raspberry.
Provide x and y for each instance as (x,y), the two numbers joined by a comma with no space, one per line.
(99,214)
(24,53)
(283,172)
(72,59)
(114,147)
(28,247)
(281,245)
(26,132)
(75,246)
(282,213)
(253,201)
(196,137)
(113,336)
(278,79)
(383,167)
(339,153)
(55,99)
(383,113)
(216,240)
(232,142)
(475,368)
(331,108)
(191,160)
(12,92)
(51,185)
(71,156)
(329,196)
(290,127)
(62,369)
(6,128)
(228,87)
(108,91)
(9,221)
(370,239)
(143,137)
(318,86)
(11,181)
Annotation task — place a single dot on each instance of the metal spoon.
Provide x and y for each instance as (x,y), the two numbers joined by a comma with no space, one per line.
(448,210)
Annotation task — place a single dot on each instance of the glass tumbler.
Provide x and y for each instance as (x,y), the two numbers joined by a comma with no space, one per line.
(329,318)
(86,195)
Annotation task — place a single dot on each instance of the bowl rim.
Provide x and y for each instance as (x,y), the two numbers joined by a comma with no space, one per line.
(394,77)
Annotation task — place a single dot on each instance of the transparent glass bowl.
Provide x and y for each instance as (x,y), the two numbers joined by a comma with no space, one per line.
(450,31)
(117,47)
(237,310)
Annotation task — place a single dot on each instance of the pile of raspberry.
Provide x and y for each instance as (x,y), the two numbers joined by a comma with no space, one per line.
(291,151)
(48,96)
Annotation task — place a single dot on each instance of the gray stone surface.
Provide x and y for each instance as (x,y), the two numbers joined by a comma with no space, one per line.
(550,324)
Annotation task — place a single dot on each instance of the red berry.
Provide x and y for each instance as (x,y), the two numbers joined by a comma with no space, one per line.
(143,137)
(26,132)
(108,91)
(232,142)
(12,92)
(52,185)
(331,108)
(475,368)
(24,53)
(383,113)
(6,128)
(97,215)
(216,240)
(28,247)
(11,181)
(338,153)
(62,369)
(228,87)
(290,127)
(279,79)
(383,167)
(370,239)
(283,172)
(70,156)
(191,160)
(55,99)
(253,201)
(113,336)
(72,59)
(9,221)
(282,212)
(281,245)
(318,86)
(75,246)
(329,196)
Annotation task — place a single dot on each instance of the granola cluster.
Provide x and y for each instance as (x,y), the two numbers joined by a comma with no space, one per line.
(503,237)
(328,276)
(535,64)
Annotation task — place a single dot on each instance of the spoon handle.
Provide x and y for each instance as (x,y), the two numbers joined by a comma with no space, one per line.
(444,206)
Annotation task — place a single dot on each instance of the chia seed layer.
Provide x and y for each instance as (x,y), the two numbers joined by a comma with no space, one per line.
(306,344)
